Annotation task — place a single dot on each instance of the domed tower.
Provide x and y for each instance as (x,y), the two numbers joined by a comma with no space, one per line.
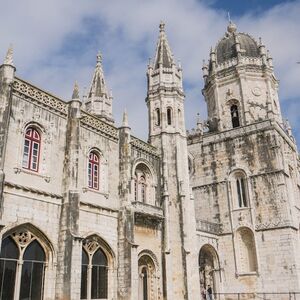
(240,85)
(245,176)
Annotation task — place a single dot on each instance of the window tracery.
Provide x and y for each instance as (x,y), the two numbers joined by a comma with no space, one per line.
(94,271)
(22,267)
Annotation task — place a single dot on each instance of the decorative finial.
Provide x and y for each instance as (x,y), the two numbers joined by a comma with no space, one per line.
(125,119)
(231,28)
(9,56)
(99,58)
(75,95)
(161,26)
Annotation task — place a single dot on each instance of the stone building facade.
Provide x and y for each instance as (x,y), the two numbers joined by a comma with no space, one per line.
(89,211)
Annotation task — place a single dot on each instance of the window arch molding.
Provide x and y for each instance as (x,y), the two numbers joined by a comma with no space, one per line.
(240,188)
(246,251)
(92,245)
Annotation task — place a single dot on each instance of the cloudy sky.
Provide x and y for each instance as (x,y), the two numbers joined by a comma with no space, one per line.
(55,43)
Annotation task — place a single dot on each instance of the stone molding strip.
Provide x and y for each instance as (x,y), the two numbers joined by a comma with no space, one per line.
(30,91)
(32,190)
(98,125)
(143,146)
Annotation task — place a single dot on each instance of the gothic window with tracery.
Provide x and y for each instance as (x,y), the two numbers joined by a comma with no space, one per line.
(31,149)
(94,271)
(93,170)
(22,267)
(235,116)
(240,192)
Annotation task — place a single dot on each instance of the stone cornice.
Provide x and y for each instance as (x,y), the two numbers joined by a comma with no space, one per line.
(22,88)
(144,147)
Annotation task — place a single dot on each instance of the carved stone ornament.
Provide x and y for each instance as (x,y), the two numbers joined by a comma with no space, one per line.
(256,91)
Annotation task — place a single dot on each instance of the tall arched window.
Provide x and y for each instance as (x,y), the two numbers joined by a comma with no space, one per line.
(246,250)
(239,186)
(31,150)
(145,283)
(147,274)
(235,116)
(157,117)
(169,116)
(93,170)
(144,189)
(94,271)
(27,280)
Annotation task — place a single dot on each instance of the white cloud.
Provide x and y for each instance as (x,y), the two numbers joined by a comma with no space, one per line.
(126,32)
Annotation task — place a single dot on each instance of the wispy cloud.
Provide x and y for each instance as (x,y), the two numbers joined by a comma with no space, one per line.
(56,43)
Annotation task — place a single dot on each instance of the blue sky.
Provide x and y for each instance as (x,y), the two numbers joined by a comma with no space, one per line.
(56,42)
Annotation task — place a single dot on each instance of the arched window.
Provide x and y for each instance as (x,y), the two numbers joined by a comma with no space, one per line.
(208,264)
(144,190)
(94,271)
(235,116)
(169,116)
(31,150)
(246,250)
(147,274)
(30,271)
(239,187)
(93,170)
(157,117)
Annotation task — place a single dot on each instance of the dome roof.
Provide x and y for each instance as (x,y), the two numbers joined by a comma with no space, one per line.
(226,48)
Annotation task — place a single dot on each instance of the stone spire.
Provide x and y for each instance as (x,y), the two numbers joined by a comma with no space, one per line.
(99,100)
(75,95)
(163,56)
(9,56)
(125,119)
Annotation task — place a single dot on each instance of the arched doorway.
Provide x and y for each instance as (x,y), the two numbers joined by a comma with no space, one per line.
(208,268)
(148,288)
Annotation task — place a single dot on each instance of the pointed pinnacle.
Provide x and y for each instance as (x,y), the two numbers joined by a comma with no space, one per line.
(9,56)
(75,95)
(99,58)
(162,26)
(125,119)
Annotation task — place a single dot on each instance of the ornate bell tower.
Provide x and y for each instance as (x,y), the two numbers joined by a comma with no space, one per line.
(165,101)
(240,85)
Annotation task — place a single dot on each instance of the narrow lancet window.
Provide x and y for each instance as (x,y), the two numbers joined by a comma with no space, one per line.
(235,116)
(93,170)
(169,116)
(157,117)
(241,192)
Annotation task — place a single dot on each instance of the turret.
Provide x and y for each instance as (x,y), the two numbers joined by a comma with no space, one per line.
(165,93)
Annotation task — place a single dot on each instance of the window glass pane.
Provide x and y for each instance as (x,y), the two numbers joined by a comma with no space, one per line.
(85,258)
(99,258)
(99,282)
(83,293)
(7,279)
(239,192)
(145,284)
(34,252)
(243,187)
(9,249)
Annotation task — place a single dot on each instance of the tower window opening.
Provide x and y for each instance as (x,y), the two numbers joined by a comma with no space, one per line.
(235,116)
(241,192)
(157,117)
(169,116)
